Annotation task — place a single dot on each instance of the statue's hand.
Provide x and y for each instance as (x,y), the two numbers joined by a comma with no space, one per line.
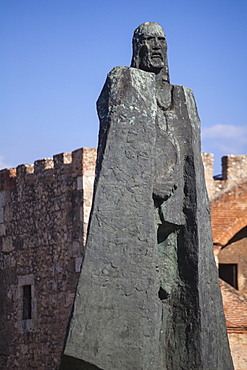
(164,190)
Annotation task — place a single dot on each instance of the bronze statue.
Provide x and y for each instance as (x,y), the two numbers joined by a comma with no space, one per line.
(148,295)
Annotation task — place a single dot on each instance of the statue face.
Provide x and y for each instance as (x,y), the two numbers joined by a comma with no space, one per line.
(152,52)
(150,49)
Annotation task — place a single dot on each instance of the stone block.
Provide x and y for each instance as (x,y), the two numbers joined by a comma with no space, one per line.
(79,183)
(7,244)
(76,249)
(2,198)
(88,182)
(43,164)
(1,215)
(78,263)
(2,230)
(62,158)
(26,280)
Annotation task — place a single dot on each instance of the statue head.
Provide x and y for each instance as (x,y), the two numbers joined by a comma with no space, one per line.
(150,49)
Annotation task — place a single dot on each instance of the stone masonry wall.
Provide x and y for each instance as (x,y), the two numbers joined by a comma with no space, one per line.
(228,212)
(238,346)
(228,203)
(236,253)
(43,214)
(235,307)
(234,170)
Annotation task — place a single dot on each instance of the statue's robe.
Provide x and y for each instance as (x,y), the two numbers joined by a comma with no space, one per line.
(148,295)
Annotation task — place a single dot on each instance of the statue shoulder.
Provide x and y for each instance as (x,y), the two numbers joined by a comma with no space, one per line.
(118,72)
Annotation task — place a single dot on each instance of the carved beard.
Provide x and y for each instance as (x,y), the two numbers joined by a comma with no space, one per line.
(149,63)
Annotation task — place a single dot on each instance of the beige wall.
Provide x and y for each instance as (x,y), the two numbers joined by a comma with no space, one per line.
(238,345)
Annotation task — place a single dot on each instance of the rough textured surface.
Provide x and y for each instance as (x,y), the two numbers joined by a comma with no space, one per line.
(140,305)
(238,344)
(234,169)
(228,211)
(121,259)
(235,305)
(236,253)
(24,349)
(41,246)
(156,309)
(228,219)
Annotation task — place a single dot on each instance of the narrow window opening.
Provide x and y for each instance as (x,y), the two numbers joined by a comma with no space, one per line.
(27,302)
(229,273)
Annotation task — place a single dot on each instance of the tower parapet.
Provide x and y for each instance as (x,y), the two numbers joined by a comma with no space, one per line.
(8,179)
(234,170)
(234,167)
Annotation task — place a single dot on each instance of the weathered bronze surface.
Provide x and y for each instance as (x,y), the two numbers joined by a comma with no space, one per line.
(148,295)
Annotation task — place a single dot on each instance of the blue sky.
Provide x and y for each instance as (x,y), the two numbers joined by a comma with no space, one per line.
(55,55)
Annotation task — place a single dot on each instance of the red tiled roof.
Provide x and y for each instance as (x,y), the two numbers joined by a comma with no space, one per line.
(235,307)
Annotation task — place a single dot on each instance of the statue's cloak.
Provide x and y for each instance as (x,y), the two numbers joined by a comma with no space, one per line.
(149,162)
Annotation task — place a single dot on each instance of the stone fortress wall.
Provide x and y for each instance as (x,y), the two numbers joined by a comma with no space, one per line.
(44,212)
(234,170)
(228,203)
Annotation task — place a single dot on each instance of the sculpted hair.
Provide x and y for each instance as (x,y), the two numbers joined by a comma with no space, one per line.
(151,29)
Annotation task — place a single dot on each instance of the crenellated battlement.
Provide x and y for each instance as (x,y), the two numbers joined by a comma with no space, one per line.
(234,167)
(82,162)
(77,163)
(43,164)
(47,186)
(24,169)
(8,179)
(234,170)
